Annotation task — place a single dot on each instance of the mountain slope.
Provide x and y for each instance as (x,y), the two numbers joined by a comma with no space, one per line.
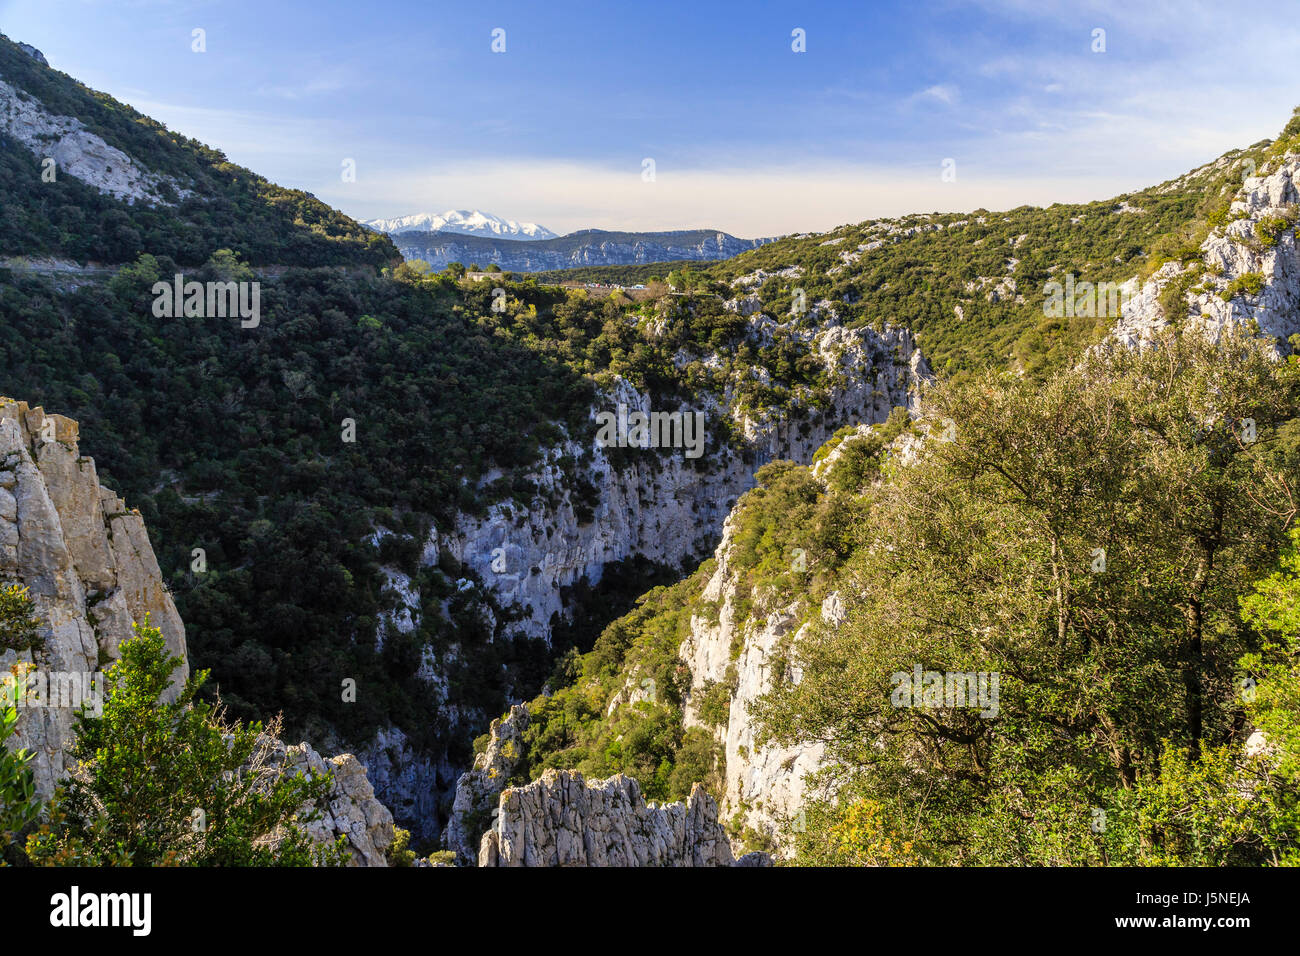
(587,247)
(397,479)
(123,184)
(973,287)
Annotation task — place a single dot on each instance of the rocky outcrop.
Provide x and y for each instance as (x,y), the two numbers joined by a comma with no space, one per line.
(478,788)
(88,566)
(352,811)
(564,820)
(1265,209)
(76,151)
(86,561)
(660,507)
(764,785)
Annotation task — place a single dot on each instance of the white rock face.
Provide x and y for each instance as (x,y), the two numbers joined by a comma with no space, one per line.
(90,570)
(666,514)
(1231,252)
(353,811)
(34,53)
(86,561)
(564,820)
(763,784)
(76,151)
(477,789)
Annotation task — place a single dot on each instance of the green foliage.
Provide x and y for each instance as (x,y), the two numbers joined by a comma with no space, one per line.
(19,804)
(399,851)
(715,703)
(861,458)
(634,658)
(1118,680)
(1273,609)
(18,625)
(915,271)
(174,783)
(1173,297)
(1251,283)
(1269,229)
(642,273)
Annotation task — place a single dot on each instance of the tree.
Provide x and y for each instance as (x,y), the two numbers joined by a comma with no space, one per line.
(1087,542)
(18,627)
(18,802)
(19,805)
(1273,608)
(175,784)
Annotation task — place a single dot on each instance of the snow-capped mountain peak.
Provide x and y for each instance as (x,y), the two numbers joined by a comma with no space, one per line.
(469,222)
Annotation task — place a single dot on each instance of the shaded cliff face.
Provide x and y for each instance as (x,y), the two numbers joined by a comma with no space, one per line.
(90,570)
(86,560)
(592,247)
(663,508)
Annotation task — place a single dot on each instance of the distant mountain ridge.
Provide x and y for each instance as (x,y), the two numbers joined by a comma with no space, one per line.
(587,247)
(467,222)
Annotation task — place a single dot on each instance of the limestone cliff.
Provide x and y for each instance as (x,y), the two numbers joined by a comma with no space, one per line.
(353,812)
(1249,269)
(477,788)
(764,785)
(661,507)
(77,151)
(91,572)
(86,560)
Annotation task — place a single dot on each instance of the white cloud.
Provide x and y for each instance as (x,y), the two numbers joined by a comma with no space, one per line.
(944,93)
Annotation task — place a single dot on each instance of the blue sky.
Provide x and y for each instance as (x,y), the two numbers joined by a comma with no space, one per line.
(746,134)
